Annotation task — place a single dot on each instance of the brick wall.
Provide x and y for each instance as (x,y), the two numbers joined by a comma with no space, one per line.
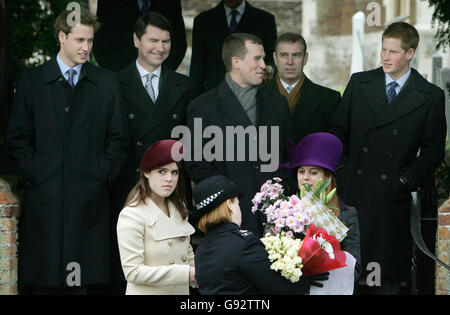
(9,214)
(443,249)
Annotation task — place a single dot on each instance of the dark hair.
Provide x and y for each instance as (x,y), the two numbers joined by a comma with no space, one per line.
(291,37)
(405,32)
(86,18)
(154,19)
(142,190)
(234,46)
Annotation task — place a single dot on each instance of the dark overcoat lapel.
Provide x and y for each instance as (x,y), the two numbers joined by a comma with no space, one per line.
(307,104)
(170,92)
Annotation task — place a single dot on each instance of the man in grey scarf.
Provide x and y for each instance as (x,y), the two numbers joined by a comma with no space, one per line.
(243,126)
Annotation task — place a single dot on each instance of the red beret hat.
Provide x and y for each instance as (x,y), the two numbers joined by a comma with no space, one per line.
(159,154)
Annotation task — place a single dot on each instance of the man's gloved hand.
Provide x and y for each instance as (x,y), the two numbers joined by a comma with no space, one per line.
(313,280)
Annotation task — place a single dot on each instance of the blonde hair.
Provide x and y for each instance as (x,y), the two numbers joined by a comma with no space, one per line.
(220,215)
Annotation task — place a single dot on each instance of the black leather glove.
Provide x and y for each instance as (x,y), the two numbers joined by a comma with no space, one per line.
(313,280)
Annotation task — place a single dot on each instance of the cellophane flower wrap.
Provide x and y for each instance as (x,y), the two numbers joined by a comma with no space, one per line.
(289,220)
(320,252)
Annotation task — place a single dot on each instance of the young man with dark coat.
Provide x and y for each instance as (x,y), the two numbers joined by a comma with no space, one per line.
(312,106)
(67,133)
(392,125)
(257,117)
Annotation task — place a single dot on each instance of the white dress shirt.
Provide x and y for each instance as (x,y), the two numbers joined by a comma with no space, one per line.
(65,68)
(155,82)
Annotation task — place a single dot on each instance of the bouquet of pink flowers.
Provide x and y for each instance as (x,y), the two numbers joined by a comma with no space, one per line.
(287,214)
(293,218)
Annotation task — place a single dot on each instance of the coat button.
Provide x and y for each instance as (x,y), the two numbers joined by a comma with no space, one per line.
(360,172)
(66,109)
(60,79)
(171,262)
(184,258)
(365,149)
(139,144)
(182,238)
(390,153)
(395,132)
(383,176)
(137,170)
(170,243)
(175,116)
(131,116)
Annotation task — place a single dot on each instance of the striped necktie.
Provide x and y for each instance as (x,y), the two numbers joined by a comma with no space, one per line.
(149,86)
(71,75)
(391,93)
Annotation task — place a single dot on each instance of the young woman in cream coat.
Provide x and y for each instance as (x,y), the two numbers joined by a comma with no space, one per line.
(153,232)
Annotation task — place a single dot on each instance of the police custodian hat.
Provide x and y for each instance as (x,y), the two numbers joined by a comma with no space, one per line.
(211,192)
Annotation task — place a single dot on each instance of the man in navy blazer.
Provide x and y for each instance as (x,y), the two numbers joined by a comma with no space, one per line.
(211,27)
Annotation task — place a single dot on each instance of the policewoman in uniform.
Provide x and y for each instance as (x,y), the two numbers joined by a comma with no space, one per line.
(229,260)
(153,232)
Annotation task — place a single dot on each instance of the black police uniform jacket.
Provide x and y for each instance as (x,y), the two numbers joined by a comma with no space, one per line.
(229,260)
(381,143)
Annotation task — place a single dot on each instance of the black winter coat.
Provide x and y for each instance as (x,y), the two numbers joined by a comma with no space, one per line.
(314,111)
(210,31)
(381,143)
(231,261)
(69,145)
(220,108)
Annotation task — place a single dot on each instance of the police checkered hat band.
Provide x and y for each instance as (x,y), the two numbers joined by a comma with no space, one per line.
(211,192)
(208,200)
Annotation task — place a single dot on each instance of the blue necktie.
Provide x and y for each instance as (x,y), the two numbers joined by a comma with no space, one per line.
(71,75)
(391,94)
(233,22)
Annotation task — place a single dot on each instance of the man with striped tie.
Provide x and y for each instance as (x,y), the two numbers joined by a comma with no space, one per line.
(392,124)
(155,99)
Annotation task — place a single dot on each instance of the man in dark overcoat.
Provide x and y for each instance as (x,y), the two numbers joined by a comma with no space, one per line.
(239,109)
(210,29)
(312,106)
(114,48)
(152,109)
(392,124)
(67,133)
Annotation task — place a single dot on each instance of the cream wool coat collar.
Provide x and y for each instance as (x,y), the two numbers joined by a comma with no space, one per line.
(167,227)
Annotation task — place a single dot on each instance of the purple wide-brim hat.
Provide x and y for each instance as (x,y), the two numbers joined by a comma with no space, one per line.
(317,149)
